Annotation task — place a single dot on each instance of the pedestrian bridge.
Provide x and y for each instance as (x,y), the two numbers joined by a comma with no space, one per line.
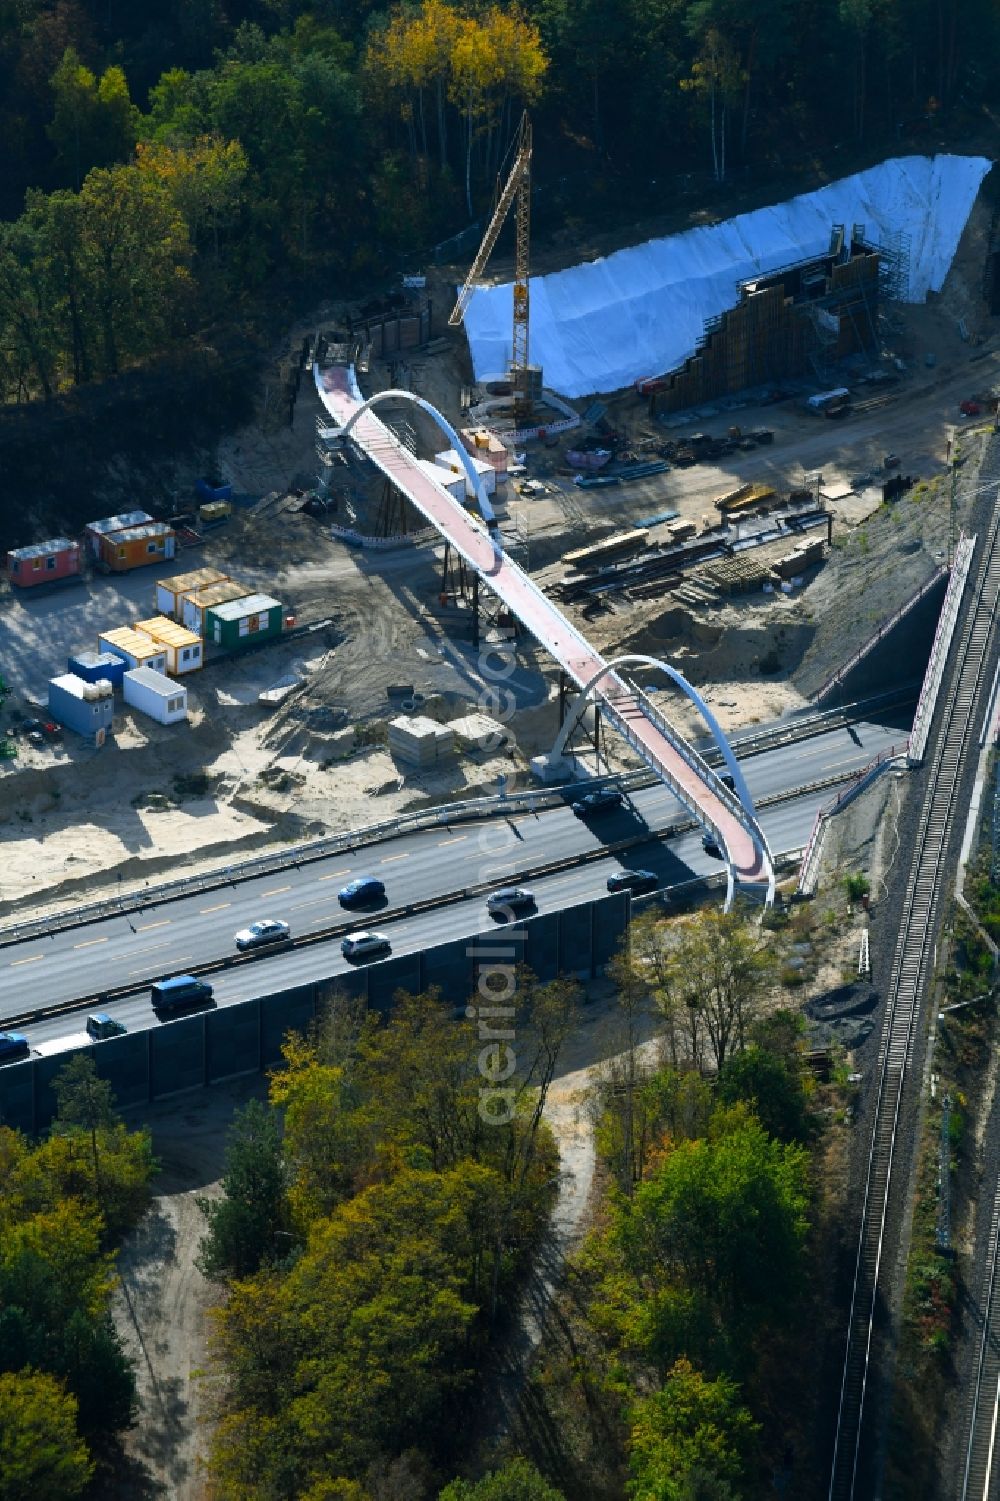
(729,818)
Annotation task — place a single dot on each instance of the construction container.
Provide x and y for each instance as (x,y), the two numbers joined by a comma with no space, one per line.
(168,593)
(243,622)
(135,649)
(484,444)
(183,647)
(153,694)
(43,562)
(194,605)
(446,478)
(94,531)
(214,512)
(86,708)
(94,665)
(135,546)
(450,460)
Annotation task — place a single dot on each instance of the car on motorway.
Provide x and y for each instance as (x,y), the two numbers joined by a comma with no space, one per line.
(259,934)
(101,1026)
(508,900)
(634,881)
(364,945)
(711,846)
(180,991)
(601,801)
(361,890)
(13,1045)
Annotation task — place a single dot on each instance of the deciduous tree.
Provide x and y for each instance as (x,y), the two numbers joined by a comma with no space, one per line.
(41,1456)
(690,1439)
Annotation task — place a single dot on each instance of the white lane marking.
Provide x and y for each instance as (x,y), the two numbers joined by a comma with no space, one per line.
(145,927)
(316,902)
(457,840)
(334,874)
(404,856)
(277,890)
(154,948)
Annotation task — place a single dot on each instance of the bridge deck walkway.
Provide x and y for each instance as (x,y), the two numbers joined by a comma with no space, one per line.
(631,713)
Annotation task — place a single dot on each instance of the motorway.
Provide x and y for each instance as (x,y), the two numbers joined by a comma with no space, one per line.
(165,939)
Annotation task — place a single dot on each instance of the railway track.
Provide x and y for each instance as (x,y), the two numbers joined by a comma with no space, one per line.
(981,1463)
(920,909)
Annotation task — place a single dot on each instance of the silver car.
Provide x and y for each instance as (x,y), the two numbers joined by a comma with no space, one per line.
(268,930)
(364,945)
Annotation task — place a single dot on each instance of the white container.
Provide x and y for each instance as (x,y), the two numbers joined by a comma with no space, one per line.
(153,694)
(453,483)
(450,460)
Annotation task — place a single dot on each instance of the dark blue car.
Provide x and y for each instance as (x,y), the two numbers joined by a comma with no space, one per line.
(13,1045)
(361,890)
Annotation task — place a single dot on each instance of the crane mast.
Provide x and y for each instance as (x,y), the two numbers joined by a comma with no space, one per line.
(517,187)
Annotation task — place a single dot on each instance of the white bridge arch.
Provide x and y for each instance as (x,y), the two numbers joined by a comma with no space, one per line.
(479,489)
(586,694)
(626,708)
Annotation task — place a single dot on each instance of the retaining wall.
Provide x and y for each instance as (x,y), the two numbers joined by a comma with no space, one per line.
(225,1042)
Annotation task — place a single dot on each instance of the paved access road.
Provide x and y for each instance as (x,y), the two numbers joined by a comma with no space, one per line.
(168,938)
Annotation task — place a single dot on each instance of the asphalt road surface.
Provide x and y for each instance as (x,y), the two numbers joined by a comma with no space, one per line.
(168,938)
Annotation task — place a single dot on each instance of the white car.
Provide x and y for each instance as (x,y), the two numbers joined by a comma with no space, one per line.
(364,945)
(268,930)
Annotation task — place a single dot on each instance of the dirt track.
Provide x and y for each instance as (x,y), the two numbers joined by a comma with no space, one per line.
(163,1299)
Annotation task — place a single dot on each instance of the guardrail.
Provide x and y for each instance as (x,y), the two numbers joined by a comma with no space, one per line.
(429,904)
(271,864)
(531,800)
(927,702)
(809,869)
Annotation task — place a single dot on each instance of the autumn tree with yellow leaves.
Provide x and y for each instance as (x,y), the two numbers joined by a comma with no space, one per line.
(484,66)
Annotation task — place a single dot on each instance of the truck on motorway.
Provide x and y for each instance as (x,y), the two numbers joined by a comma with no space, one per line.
(56,1045)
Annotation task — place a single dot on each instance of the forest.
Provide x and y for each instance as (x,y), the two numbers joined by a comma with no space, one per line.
(374,1245)
(175,170)
(376,1238)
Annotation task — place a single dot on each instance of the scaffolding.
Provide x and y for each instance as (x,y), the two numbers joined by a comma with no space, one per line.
(894,266)
(802,318)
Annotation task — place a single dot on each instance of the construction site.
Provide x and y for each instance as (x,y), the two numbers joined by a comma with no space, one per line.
(752,512)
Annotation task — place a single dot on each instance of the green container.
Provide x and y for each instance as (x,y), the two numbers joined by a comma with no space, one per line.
(239,623)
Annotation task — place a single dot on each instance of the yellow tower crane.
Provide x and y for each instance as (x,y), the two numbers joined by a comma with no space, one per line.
(518,185)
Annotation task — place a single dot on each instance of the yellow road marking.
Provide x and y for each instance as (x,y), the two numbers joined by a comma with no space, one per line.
(145,927)
(220,908)
(277,890)
(404,856)
(333,875)
(457,839)
(32,959)
(89,942)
